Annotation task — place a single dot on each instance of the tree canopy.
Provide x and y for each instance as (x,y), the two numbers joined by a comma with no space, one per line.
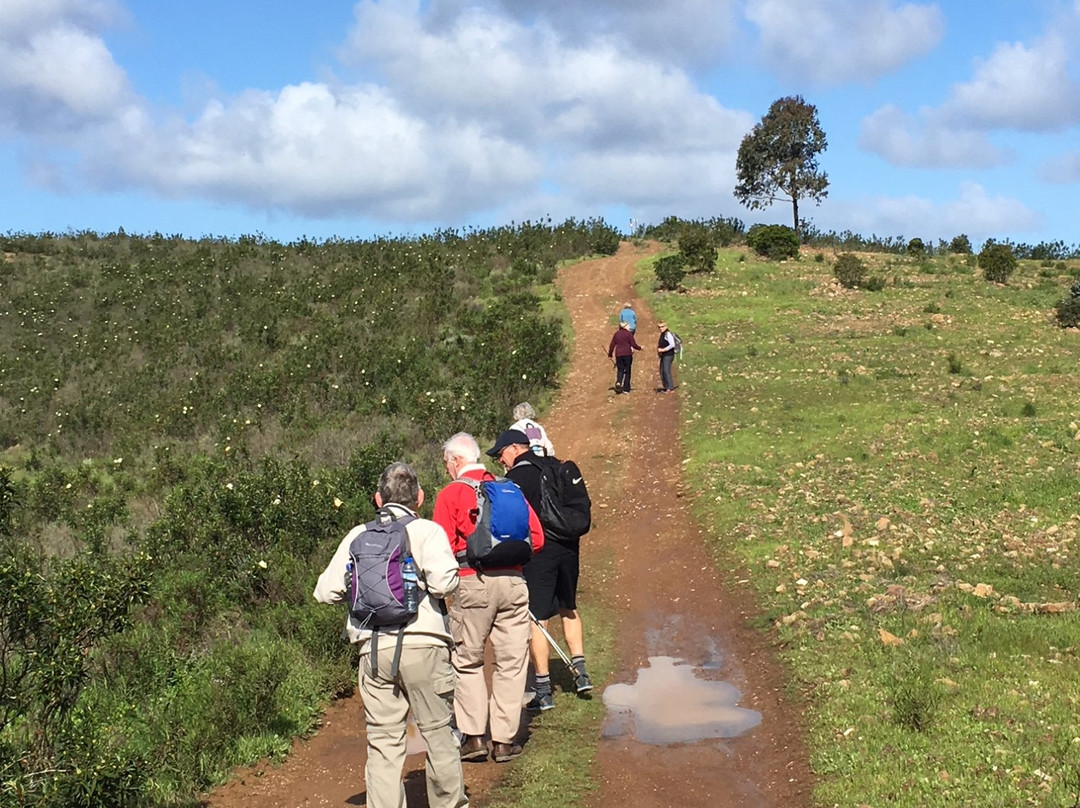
(778,158)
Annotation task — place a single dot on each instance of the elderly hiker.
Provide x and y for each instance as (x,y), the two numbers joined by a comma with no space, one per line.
(420,677)
(524,420)
(552,574)
(665,347)
(629,316)
(492,602)
(623,346)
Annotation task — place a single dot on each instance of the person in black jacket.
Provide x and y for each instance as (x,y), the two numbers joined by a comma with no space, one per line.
(552,573)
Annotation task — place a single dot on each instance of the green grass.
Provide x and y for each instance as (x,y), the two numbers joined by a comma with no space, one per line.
(892,451)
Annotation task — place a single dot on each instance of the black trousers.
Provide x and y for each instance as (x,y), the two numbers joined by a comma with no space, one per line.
(622,372)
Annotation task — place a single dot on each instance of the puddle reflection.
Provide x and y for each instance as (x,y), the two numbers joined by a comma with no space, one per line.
(669,704)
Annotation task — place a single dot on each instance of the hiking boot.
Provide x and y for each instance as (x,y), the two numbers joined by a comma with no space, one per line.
(582,683)
(541,702)
(503,752)
(474,748)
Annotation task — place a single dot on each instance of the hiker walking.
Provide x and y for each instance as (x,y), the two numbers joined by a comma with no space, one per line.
(493,602)
(665,347)
(411,670)
(524,416)
(623,346)
(629,316)
(552,574)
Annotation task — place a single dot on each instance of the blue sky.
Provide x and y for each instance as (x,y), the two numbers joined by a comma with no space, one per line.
(346,119)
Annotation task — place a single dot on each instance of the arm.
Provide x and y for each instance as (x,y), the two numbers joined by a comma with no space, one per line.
(611,347)
(536,532)
(330,588)
(633,343)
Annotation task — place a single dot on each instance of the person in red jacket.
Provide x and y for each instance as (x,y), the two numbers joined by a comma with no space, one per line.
(623,346)
(495,604)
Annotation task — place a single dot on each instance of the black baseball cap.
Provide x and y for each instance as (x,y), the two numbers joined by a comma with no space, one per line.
(508,438)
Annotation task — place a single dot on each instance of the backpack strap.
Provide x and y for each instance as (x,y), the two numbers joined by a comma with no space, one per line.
(382,516)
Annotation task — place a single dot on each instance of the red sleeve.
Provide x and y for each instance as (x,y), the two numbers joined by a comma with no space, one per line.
(536,532)
(451,515)
(611,347)
(633,342)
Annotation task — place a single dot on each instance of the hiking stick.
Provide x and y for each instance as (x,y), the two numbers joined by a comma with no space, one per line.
(555,645)
(609,358)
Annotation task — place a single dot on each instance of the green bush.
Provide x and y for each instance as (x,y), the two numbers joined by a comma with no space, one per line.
(670,270)
(960,244)
(849,270)
(696,246)
(916,248)
(997,262)
(773,241)
(1067,312)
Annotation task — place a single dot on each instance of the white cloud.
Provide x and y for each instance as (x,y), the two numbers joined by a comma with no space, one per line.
(973,211)
(1027,88)
(56,73)
(318,152)
(926,141)
(833,41)
(1064,169)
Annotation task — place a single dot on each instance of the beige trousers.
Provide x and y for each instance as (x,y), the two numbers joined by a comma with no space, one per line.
(495,605)
(425,684)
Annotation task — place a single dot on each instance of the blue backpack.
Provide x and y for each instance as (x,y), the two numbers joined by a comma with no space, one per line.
(501,536)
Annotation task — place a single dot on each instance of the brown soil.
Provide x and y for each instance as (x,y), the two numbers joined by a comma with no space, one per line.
(671,598)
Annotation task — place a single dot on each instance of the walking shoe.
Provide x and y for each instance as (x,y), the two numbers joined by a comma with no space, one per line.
(541,702)
(502,752)
(582,683)
(474,748)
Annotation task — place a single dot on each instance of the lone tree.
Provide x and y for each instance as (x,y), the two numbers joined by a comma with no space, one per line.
(778,158)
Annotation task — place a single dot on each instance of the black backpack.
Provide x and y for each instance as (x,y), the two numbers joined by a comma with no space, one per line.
(565,508)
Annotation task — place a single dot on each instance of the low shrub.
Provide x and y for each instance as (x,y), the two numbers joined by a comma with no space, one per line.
(670,271)
(850,270)
(773,241)
(997,262)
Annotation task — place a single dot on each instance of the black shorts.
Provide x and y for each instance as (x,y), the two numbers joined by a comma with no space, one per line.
(552,576)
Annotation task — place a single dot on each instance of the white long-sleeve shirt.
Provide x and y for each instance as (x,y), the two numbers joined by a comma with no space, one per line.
(438,573)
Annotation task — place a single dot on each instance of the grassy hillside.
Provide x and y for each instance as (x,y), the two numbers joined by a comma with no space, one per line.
(893,475)
(187,428)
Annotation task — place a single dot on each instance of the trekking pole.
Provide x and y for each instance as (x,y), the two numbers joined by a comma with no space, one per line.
(609,358)
(555,645)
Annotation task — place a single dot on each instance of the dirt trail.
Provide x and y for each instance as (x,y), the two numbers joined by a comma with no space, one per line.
(671,601)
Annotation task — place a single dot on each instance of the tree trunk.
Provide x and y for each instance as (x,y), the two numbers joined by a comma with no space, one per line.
(795,213)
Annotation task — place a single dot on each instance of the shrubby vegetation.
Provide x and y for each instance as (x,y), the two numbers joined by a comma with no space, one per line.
(1067,310)
(774,241)
(997,262)
(186,430)
(670,271)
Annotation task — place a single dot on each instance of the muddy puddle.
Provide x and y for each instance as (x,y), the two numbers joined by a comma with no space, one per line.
(670,703)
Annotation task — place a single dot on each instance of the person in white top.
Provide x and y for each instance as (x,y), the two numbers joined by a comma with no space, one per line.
(524,416)
(425,680)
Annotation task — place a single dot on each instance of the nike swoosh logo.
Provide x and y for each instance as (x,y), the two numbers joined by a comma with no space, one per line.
(575,481)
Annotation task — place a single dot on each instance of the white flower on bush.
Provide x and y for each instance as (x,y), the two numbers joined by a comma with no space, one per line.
(277,501)
(229,486)
(262,564)
(338,503)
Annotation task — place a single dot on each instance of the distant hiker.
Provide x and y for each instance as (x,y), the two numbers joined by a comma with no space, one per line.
(666,348)
(629,316)
(623,346)
(493,603)
(552,573)
(524,416)
(421,678)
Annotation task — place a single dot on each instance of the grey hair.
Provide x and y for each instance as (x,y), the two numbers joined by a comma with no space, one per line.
(462,445)
(524,410)
(628,305)
(398,484)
